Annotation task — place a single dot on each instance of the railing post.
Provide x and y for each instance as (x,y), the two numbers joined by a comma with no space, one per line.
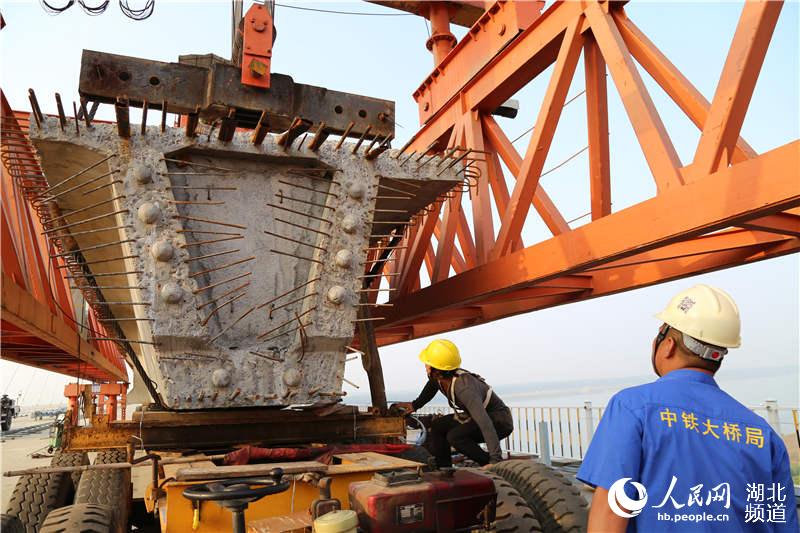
(773,415)
(589,417)
(544,444)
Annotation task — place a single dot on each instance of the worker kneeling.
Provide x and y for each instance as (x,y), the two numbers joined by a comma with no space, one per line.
(479,414)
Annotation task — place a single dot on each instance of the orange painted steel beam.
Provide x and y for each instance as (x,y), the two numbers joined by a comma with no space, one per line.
(736,85)
(457,260)
(779,223)
(539,145)
(465,240)
(647,125)
(482,224)
(23,311)
(500,24)
(670,79)
(756,188)
(525,57)
(597,122)
(541,201)
(614,280)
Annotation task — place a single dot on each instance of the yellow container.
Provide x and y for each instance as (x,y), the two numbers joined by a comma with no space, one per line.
(344,521)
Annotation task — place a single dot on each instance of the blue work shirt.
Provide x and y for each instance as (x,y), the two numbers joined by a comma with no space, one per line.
(707,462)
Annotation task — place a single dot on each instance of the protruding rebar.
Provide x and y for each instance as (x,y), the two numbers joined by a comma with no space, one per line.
(294,240)
(235,289)
(262,128)
(220,307)
(302,227)
(37,111)
(326,193)
(62,118)
(297,256)
(209,221)
(163,116)
(290,291)
(282,208)
(208,256)
(84,113)
(297,128)
(344,135)
(75,116)
(144,118)
(361,139)
(217,284)
(192,120)
(307,202)
(320,136)
(222,267)
(212,241)
(122,111)
(228,127)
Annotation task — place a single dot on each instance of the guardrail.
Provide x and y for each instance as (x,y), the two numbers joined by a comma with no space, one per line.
(565,432)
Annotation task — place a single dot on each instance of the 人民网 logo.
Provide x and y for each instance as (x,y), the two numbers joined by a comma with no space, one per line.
(619,502)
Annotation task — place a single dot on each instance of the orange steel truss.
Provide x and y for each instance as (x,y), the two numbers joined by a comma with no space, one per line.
(729,206)
(39,319)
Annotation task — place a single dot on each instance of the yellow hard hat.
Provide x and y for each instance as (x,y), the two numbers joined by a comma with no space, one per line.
(441,354)
(706,313)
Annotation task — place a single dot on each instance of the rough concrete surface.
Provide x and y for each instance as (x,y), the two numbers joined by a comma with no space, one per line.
(234,269)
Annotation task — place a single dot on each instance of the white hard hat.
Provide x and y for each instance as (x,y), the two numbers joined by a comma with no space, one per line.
(706,313)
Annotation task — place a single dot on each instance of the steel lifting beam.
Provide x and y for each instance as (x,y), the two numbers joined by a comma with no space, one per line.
(216,87)
(209,429)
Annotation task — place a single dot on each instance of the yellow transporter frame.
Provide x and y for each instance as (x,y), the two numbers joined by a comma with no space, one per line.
(177,515)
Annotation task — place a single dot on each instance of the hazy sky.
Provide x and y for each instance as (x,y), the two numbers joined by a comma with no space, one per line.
(385,57)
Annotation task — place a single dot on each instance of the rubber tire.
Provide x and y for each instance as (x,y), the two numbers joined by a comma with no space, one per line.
(36,495)
(62,458)
(512,513)
(108,488)
(79,518)
(5,424)
(11,524)
(555,501)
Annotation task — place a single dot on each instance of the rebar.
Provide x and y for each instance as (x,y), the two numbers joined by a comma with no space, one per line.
(290,291)
(344,135)
(215,254)
(209,221)
(297,256)
(209,270)
(217,284)
(294,240)
(276,206)
(222,296)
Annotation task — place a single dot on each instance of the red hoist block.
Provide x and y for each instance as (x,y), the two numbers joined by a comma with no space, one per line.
(257,47)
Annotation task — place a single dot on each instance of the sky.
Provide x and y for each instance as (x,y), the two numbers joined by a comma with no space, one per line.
(385,57)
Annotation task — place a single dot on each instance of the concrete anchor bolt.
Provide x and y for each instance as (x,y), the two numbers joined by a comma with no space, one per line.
(171,293)
(356,191)
(344,258)
(349,224)
(336,294)
(148,213)
(142,174)
(292,378)
(220,378)
(162,251)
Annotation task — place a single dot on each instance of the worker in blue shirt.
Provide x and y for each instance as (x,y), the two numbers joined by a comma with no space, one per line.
(680,454)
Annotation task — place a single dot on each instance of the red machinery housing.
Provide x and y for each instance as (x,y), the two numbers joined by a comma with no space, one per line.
(449,500)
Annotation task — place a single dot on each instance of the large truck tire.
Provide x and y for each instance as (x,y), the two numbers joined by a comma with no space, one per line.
(108,488)
(62,458)
(512,515)
(11,524)
(556,502)
(5,422)
(79,518)
(36,495)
